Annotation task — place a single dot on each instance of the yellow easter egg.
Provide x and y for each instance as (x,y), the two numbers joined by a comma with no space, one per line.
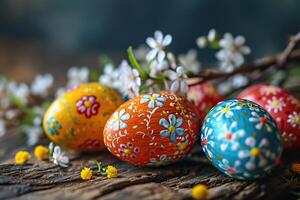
(77,119)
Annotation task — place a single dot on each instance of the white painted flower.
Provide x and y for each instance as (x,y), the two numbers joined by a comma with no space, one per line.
(41,85)
(76,76)
(157,45)
(190,62)
(228,168)
(294,119)
(226,111)
(229,136)
(288,138)
(256,152)
(59,158)
(275,104)
(130,79)
(179,80)
(269,90)
(118,120)
(153,100)
(20,91)
(232,53)
(262,122)
(206,140)
(2,127)
(110,77)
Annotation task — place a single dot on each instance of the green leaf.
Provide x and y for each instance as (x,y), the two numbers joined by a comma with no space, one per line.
(135,63)
(93,75)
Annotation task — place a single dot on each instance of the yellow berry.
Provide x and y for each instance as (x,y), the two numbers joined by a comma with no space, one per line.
(22,157)
(86,173)
(41,152)
(200,192)
(111,171)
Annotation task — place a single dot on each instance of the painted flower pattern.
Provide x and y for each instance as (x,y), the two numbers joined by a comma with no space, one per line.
(230,136)
(153,100)
(118,120)
(241,146)
(53,126)
(269,90)
(127,150)
(88,106)
(172,127)
(162,160)
(226,110)
(207,143)
(275,104)
(294,119)
(261,121)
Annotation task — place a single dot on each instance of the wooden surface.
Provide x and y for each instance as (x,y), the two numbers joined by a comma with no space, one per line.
(43,180)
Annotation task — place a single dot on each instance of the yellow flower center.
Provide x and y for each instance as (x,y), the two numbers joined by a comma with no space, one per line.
(297,120)
(172,128)
(225,110)
(255,152)
(127,151)
(182,146)
(211,90)
(153,98)
(116,119)
(87,104)
(275,103)
(52,126)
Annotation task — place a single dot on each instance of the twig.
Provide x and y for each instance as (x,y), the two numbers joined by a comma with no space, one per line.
(278,60)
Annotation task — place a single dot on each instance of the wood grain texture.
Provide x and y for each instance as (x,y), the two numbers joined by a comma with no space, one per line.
(42,180)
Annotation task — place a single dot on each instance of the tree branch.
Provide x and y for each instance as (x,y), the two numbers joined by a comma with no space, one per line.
(278,60)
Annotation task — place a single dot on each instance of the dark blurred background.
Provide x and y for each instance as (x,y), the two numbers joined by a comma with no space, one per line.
(51,35)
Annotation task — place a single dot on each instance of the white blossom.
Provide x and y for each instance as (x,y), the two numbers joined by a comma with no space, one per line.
(157,45)
(33,132)
(2,127)
(59,158)
(179,80)
(59,92)
(201,42)
(190,62)
(130,80)
(76,76)
(157,67)
(41,85)
(212,35)
(20,91)
(110,77)
(232,53)
(141,52)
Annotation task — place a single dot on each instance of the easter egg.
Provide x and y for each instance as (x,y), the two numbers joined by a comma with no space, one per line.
(241,139)
(283,107)
(77,119)
(204,96)
(152,129)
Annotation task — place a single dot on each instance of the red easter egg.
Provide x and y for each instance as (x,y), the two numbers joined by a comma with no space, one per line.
(284,108)
(152,129)
(204,96)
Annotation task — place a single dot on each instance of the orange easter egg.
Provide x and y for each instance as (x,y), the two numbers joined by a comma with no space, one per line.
(152,129)
(77,119)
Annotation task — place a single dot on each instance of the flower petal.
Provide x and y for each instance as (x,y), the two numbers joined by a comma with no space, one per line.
(180,131)
(172,120)
(164,133)
(163,122)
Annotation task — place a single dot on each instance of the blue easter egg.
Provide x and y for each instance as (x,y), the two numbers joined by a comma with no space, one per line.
(241,139)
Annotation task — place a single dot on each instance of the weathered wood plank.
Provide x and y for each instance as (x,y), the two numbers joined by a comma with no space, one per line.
(40,179)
